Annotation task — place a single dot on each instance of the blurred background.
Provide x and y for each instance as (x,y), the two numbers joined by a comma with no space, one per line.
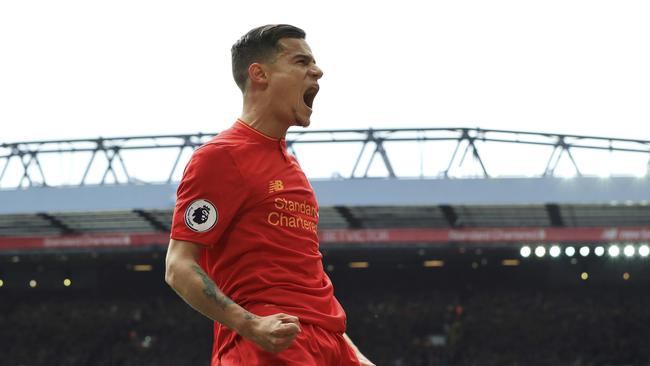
(455,266)
(482,171)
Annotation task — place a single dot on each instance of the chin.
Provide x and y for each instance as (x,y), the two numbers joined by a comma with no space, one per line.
(302,119)
(302,122)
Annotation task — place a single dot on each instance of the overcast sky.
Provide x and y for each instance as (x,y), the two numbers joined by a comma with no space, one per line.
(73,69)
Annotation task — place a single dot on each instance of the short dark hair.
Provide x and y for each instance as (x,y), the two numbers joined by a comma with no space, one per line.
(259,45)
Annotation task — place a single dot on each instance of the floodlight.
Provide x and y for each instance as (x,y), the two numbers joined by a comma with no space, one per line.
(555,251)
(569,251)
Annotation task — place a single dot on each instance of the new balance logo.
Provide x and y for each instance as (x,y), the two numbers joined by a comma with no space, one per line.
(275,185)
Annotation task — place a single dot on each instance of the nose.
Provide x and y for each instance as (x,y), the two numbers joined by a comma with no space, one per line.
(316,72)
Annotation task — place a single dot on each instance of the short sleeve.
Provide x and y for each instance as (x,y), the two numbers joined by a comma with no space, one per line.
(208,197)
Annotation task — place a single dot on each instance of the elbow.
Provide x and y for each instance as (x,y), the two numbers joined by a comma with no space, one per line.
(170,273)
(178,264)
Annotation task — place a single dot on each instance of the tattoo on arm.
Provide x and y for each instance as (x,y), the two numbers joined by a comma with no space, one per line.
(249,316)
(210,290)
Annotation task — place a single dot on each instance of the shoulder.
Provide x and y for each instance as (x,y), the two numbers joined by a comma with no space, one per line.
(214,155)
(227,152)
(212,164)
(229,141)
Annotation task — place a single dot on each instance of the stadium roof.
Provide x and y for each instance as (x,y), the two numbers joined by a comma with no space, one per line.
(461,181)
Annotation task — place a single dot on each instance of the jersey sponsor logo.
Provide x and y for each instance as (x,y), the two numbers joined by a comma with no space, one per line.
(275,185)
(293,214)
(201,215)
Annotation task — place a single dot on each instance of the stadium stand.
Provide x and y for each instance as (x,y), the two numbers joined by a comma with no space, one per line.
(400,316)
(442,270)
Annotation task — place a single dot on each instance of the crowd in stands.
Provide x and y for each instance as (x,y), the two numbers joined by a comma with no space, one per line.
(415,325)
(75,330)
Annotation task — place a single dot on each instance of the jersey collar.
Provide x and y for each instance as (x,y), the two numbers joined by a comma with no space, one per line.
(250,131)
(262,138)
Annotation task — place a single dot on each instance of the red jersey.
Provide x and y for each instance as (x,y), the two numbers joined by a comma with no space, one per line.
(248,202)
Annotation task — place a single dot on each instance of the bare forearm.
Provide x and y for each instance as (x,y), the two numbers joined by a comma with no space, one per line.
(363,360)
(274,333)
(197,289)
(347,339)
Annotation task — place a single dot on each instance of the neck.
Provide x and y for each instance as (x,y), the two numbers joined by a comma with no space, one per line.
(259,116)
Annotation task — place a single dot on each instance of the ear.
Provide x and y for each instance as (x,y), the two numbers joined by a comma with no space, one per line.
(257,74)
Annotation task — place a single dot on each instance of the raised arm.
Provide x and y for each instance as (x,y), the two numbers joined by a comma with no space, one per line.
(272,333)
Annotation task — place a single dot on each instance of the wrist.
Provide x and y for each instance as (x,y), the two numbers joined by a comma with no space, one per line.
(245,323)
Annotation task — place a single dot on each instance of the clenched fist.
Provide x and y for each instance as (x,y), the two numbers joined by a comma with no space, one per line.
(273,333)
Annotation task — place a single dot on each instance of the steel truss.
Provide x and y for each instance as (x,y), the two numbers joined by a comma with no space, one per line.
(25,160)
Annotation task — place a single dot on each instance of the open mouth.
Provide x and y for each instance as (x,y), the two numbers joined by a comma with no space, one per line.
(310,95)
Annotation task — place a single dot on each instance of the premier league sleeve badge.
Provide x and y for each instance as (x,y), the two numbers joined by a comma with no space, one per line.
(201,215)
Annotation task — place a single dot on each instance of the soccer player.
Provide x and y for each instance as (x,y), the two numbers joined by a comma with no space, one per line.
(244,245)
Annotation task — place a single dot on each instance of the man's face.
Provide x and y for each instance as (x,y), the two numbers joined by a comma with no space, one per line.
(293,81)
